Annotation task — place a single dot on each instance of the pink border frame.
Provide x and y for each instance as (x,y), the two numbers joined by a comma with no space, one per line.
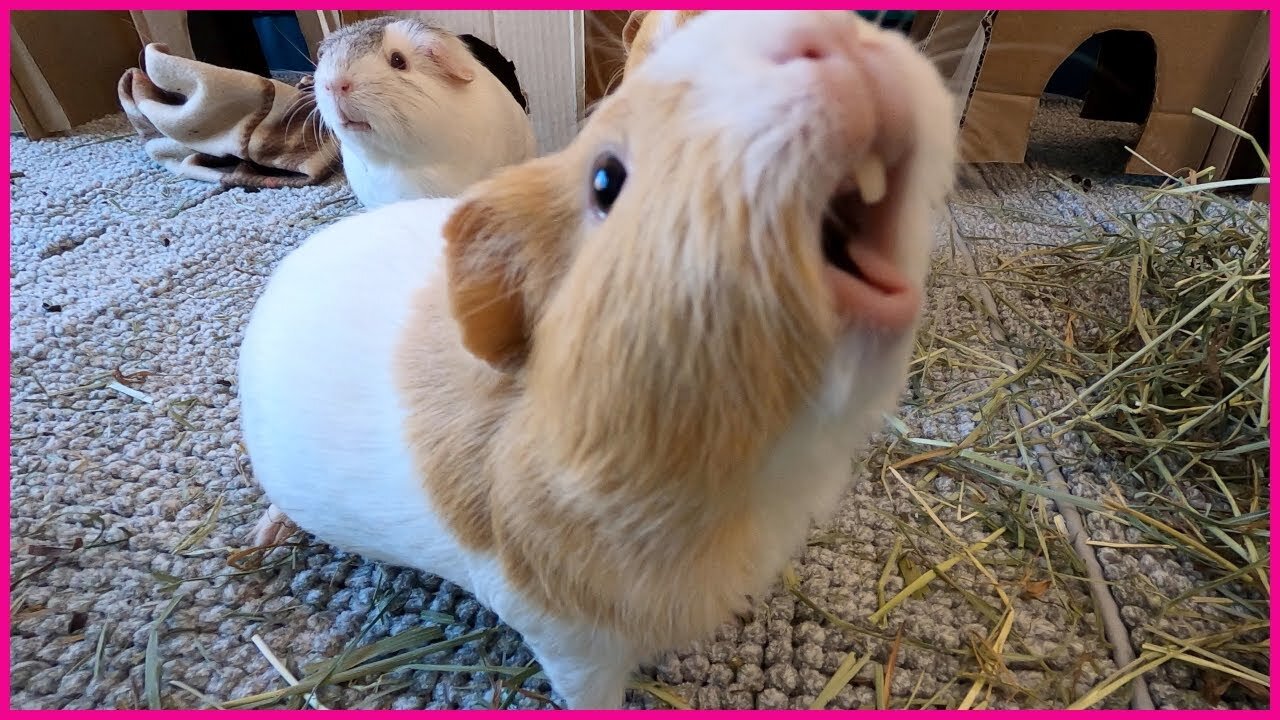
(1115,5)
(615,5)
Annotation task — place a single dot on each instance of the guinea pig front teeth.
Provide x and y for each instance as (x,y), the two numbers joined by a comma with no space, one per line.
(872,179)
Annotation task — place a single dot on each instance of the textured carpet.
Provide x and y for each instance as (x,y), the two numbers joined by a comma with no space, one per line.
(127,500)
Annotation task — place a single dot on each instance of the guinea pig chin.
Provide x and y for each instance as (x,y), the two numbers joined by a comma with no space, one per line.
(348,117)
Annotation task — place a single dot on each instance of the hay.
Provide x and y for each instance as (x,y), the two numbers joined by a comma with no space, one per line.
(1180,395)
(1171,387)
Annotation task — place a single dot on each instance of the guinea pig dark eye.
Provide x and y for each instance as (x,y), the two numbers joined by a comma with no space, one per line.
(397,61)
(607,177)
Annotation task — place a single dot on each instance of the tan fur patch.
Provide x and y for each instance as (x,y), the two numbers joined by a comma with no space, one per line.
(489,310)
(607,454)
(457,404)
(645,29)
(468,334)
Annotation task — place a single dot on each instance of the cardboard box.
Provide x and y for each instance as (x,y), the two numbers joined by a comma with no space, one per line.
(64,66)
(1247,108)
(956,41)
(1211,60)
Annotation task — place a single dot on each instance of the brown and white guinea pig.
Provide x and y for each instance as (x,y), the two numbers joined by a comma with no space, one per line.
(416,113)
(609,390)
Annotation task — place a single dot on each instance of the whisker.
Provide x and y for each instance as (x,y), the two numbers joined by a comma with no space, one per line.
(298,105)
(319,128)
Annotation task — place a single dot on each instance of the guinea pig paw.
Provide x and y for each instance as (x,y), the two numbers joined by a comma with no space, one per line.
(273,528)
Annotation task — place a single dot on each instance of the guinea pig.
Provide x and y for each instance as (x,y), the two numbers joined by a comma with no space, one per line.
(609,390)
(416,114)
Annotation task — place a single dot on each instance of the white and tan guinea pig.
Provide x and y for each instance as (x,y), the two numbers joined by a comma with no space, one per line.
(416,114)
(609,390)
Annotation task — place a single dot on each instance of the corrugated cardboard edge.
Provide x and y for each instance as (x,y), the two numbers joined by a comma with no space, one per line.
(1253,70)
(965,78)
(164,26)
(30,96)
(956,42)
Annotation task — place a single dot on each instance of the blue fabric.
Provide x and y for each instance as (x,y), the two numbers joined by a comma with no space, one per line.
(282,42)
(896,19)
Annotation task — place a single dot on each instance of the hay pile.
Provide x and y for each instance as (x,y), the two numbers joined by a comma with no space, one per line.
(1165,389)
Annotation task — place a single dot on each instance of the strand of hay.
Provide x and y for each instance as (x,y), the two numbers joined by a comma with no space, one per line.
(1108,610)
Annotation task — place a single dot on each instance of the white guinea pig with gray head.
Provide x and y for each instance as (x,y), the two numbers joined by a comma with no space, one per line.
(609,390)
(416,114)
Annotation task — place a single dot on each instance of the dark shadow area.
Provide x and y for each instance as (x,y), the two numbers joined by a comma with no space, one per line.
(1246,163)
(1123,84)
(266,43)
(1095,105)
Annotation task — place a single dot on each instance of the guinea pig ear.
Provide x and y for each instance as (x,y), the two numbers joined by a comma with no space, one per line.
(503,245)
(506,244)
(484,293)
(450,55)
(632,26)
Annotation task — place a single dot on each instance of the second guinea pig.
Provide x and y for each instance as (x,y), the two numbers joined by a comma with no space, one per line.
(416,113)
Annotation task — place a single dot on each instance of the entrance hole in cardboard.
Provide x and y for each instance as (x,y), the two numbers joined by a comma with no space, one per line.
(1095,104)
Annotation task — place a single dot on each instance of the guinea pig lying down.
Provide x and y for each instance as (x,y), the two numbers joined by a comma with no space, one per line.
(608,390)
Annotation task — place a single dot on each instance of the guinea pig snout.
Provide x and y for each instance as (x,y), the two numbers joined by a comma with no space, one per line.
(338,85)
(349,112)
(858,136)
(813,41)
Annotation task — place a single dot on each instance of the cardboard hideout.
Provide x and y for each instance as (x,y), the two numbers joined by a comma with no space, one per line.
(1002,61)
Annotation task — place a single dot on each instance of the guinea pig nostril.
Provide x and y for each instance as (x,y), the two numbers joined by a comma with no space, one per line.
(812,52)
(805,52)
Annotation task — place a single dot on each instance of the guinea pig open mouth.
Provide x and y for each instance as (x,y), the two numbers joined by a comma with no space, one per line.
(346,119)
(858,247)
(349,124)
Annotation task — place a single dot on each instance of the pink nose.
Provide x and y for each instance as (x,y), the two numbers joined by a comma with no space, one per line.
(341,86)
(813,42)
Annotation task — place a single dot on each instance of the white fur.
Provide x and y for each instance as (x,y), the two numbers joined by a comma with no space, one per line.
(430,137)
(324,424)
